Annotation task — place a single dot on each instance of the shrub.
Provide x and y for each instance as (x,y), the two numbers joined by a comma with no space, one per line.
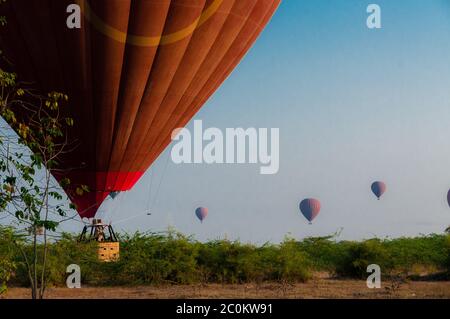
(7,254)
(447,252)
(322,252)
(225,261)
(426,251)
(293,263)
(156,258)
(356,257)
(67,251)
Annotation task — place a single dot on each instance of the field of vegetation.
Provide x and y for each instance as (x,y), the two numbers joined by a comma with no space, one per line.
(172,258)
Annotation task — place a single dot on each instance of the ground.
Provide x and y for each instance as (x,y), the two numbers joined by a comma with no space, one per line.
(316,288)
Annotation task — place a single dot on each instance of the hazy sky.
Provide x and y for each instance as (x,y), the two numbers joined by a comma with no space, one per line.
(353,105)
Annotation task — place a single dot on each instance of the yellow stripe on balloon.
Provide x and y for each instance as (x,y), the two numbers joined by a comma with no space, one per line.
(144,41)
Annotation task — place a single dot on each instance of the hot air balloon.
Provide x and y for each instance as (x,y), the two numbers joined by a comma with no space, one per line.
(448,197)
(310,208)
(201,213)
(447,230)
(134,72)
(113,195)
(378,188)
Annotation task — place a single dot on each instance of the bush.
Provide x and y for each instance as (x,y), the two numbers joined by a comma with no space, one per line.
(67,251)
(447,252)
(156,258)
(6,270)
(7,254)
(227,262)
(293,264)
(233,262)
(357,256)
(426,251)
(322,252)
(174,258)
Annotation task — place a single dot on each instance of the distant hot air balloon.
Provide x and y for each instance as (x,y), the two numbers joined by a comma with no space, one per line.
(134,72)
(310,208)
(201,213)
(448,197)
(113,195)
(378,188)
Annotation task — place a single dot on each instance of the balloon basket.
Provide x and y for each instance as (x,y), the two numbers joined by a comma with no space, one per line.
(108,245)
(108,252)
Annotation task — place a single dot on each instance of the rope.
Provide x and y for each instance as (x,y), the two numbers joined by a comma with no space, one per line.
(160,181)
(150,203)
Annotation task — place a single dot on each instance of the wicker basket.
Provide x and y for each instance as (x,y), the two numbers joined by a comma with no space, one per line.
(108,251)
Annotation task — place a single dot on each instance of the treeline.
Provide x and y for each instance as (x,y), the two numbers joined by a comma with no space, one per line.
(174,258)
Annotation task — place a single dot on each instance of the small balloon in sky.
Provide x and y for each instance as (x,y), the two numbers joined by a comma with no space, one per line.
(378,188)
(448,197)
(201,213)
(113,195)
(310,208)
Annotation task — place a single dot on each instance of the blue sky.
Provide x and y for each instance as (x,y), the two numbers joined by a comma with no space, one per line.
(353,105)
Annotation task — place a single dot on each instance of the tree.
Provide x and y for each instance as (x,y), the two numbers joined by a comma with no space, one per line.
(29,152)
(29,195)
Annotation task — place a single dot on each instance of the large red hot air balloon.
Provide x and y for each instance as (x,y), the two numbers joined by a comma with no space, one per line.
(134,72)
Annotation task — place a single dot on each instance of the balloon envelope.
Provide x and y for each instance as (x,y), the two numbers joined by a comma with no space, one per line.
(201,213)
(378,188)
(310,208)
(448,197)
(134,72)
